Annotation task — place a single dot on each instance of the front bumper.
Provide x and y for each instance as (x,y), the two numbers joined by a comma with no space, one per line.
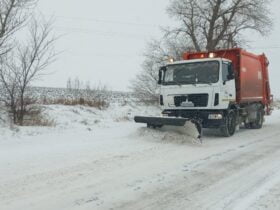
(202,115)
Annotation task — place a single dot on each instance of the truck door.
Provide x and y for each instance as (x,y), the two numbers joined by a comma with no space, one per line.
(228,93)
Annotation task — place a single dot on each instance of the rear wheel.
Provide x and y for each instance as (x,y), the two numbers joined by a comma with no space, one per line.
(258,123)
(229,127)
(248,125)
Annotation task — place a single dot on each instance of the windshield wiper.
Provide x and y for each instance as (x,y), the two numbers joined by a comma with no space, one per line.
(177,83)
(206,83)
(172,83)
(180,84)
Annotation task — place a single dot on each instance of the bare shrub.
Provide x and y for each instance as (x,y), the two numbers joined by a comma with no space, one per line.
(39,120)
(34,116)
(122,119)
(81,93)
(100,104)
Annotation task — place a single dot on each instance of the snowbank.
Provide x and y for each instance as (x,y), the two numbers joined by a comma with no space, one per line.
(78,117)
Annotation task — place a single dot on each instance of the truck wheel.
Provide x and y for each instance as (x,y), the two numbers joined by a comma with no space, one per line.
(228,129)
(248,125)
(259,121)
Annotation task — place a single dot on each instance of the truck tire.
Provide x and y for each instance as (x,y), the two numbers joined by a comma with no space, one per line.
(259,121)
(229,127)
(248,125)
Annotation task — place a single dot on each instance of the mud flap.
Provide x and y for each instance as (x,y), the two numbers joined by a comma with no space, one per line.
(158,122)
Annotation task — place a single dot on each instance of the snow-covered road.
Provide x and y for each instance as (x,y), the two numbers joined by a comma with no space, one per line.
(126,166)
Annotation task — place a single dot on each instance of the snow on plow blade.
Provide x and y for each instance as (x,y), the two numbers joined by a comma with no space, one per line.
(158,122)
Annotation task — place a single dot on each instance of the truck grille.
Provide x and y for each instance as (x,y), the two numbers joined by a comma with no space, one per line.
(198,100)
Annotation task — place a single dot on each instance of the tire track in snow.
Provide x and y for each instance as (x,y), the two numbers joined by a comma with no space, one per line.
(162,187)
(205,179)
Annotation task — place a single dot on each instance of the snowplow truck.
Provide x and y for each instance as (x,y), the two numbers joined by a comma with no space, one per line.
(220,89)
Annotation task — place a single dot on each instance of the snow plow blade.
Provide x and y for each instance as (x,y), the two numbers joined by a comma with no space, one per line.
(158,122)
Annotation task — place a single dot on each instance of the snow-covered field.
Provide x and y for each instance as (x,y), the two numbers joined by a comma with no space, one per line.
(96,159)
(51,94)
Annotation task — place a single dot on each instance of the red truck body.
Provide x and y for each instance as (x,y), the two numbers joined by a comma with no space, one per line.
(252,80)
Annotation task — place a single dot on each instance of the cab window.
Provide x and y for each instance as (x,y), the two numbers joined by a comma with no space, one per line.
(225,71)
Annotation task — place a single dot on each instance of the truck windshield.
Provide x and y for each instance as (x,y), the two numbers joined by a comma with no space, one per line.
(206,72)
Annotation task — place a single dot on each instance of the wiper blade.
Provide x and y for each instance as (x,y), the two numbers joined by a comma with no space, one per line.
(180,84)
(206,83)
(177,83)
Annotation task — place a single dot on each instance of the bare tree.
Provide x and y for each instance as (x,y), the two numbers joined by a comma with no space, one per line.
(10,94)
(202,25)
(69,83)
(14,14)
(212,24)
(24,64)
(156,55)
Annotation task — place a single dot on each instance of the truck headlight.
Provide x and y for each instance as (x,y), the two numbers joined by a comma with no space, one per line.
(215,116)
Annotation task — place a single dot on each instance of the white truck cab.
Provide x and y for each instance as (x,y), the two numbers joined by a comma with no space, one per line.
(203,87)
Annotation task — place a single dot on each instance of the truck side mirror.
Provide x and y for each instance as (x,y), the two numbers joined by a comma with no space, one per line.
(161,70)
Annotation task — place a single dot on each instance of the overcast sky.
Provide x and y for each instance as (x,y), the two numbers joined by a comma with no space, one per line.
(103,41)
